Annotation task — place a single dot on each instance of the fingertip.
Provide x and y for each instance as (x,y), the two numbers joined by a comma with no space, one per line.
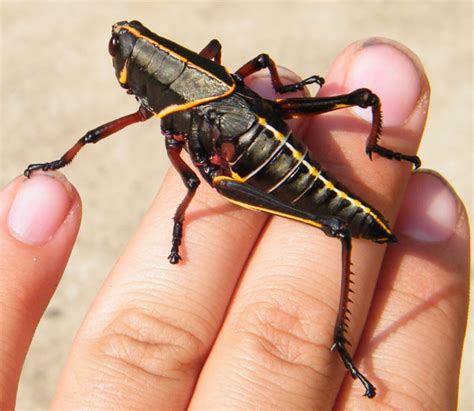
(39,221)
(39,207)
(431,209)
(390,70)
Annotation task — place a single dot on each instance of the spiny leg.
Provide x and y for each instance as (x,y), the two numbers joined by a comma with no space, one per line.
(92,136)
(191,181)
(263,61)
(212,51)
(303,106)
(253,198)
(335,229)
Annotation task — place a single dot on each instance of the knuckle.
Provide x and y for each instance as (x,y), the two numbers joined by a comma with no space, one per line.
(139,340)
(281,335)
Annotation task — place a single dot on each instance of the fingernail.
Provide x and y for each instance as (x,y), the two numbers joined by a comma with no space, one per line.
(40,206)
(430,209)
(391,71)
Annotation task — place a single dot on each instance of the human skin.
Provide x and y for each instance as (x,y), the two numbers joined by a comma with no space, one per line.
(246,319)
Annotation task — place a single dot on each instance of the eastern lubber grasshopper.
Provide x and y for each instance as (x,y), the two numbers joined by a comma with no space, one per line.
(241,144)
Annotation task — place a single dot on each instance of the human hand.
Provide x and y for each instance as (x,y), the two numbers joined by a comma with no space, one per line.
(246,319)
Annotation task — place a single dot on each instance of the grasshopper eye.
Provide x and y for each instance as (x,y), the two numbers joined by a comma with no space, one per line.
(113,45)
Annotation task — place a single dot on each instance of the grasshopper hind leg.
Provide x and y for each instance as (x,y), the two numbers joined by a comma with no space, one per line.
(248,196)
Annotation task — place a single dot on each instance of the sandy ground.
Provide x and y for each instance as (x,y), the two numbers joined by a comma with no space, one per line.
(57,82)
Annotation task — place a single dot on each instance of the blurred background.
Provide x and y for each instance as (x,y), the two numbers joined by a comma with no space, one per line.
(57,82)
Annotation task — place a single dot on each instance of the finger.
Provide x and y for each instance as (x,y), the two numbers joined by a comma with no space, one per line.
(274,345)
(148,333)
(154,322)
(418,318)
(39,221)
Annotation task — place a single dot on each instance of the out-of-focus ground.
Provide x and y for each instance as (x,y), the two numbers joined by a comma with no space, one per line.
(57,83)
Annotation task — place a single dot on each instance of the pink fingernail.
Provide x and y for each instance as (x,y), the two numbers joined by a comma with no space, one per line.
(392,74)
(430,210)
(39,208)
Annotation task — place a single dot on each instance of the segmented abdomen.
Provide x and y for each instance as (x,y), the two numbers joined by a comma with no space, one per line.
(279,164)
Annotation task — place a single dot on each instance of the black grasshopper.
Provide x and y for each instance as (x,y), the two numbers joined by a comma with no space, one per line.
(240,143)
